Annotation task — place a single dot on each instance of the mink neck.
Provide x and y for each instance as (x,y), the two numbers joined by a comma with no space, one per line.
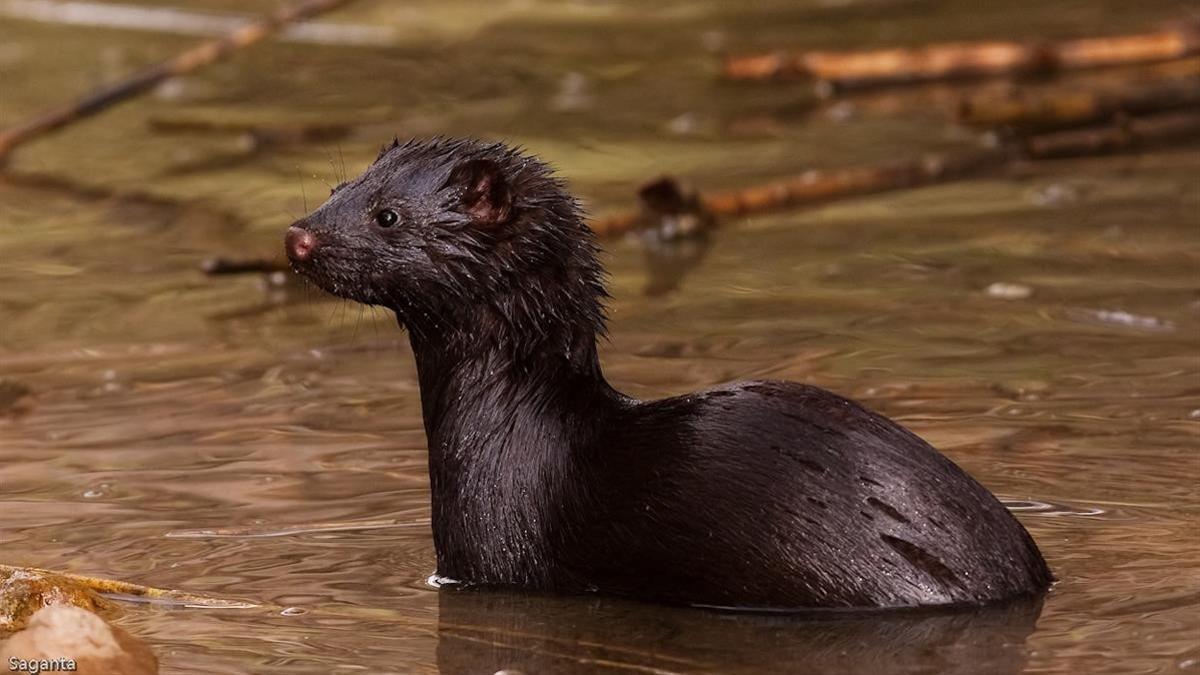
(487,393)
(509,429)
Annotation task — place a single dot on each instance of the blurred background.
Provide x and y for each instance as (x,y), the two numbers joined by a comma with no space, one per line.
(1035,316)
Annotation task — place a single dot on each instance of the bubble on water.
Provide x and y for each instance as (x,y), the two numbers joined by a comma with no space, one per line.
(1122,318)
(574,93)
(1057,194)
(686,124)
(293,611)
(1008,291)
(842,111)
(99,491)
(171,89)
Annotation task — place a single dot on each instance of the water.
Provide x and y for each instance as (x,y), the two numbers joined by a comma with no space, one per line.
(228,437)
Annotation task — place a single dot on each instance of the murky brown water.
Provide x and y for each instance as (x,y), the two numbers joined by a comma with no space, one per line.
(169,403)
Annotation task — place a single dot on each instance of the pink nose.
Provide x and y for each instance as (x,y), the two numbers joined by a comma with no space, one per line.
(299,244)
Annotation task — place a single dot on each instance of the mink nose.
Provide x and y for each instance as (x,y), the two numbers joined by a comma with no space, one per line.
(299,244)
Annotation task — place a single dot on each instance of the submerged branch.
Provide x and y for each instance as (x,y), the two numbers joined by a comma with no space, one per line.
(824,185)
(1065,109)
(817,186)
(147,78)
(125,588)
(965,59)
(259,134)
(89,192)
(811,187)
(25,590)
(1127,134)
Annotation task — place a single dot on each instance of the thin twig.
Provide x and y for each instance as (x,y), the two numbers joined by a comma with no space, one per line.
(262,134)
(1127,134)
(147,78)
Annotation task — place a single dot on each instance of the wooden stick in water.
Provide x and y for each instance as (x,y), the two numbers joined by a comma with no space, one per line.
(262,134)
(147,78)
(965,59)
(1077,108)
(817,186)
(812,187)
(1128,134)
(114,587)
(823,185)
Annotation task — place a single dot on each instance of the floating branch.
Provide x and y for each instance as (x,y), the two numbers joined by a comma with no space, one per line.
(1128,134)
(823,185)
(1066,109)
(120,588)
(819,186)
(262,134)
(811,187)
(25,590)
(147,78)
(949,96)
(965,59)
(99,193)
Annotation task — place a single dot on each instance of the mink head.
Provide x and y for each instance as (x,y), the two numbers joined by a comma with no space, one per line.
(461,239)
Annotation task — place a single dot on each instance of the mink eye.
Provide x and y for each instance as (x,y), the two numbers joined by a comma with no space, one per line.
(387,218)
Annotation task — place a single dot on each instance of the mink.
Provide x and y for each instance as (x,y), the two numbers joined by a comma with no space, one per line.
(752,495)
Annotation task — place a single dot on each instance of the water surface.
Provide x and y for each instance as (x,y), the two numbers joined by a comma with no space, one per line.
(167,402)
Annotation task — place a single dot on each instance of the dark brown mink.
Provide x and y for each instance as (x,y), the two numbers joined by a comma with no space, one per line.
(755,495)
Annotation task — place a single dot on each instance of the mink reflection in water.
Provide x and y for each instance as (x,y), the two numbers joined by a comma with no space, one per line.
(531,633)
(762,494)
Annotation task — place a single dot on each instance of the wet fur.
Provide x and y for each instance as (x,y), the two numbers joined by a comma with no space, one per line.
(757,494)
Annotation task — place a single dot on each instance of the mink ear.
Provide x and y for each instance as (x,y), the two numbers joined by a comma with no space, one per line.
(485,193)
